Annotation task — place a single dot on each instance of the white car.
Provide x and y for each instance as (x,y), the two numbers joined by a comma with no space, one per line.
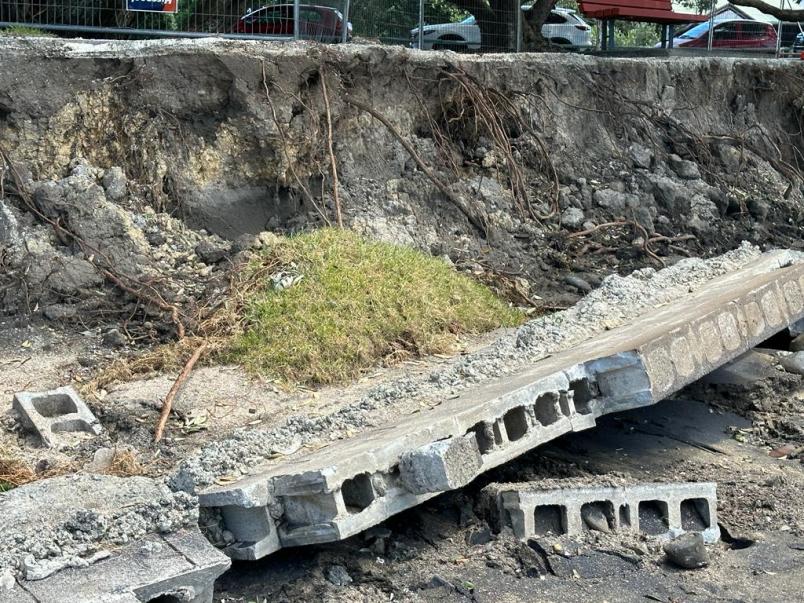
(563,27)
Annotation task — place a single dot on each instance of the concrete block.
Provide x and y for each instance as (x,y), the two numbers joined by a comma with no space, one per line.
(661,510)
(356,483)
(180,567)
(55,412)
(449,464)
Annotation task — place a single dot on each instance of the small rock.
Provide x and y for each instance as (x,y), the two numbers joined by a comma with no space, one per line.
(58,312)
(7,581)
(211,250)
(793,363)
(610,199)
(685,169)
(439,582)
(479,537)
(797,345)
(155,237)
(687,551)
(102,460)
(759,209)
(115,182)
(572,217)
(641,156)
(578,283)
(113,338)
(337,575)
(782,451)
(595,519)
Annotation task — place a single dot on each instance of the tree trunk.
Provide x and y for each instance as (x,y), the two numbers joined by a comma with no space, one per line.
(783,14)
(533,22)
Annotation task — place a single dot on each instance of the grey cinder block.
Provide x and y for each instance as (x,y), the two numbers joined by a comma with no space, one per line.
(661,510)
(56,411)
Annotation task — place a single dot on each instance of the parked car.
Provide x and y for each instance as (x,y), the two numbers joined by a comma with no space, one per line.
(736,34)
(563,27)
(321,23)
(798,45)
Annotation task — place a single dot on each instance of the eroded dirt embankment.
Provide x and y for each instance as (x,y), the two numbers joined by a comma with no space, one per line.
(233,138)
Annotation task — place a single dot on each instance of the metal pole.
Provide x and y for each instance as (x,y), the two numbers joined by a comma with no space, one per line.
(518,27)
(711,27)
(779,33)
(345,32)
(296,19)
(421,23)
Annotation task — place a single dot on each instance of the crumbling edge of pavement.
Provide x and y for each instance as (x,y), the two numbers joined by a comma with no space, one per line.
(182,565)
(353,484)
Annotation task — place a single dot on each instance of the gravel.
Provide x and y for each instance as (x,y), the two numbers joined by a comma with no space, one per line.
(617,301)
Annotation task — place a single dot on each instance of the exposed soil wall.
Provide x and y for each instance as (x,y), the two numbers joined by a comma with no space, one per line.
(232,137)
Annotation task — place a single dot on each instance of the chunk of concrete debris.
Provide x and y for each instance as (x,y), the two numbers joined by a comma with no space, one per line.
(338,575)
(794,363)
(63,521)
(797,345)
(444,465)
(574,506)
(54,412)
(355,483)
(687,551)
(181,566)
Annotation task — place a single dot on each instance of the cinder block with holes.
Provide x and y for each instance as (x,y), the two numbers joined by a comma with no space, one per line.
(353,484)
(53,412)
(663,510)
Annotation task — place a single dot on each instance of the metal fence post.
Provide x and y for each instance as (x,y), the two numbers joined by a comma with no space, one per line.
(519,18)
(779,33)
(711,27)
(296,31)
(421,24)
(345,32)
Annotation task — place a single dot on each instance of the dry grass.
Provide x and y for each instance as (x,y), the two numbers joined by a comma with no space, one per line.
(13,472)
(125,464)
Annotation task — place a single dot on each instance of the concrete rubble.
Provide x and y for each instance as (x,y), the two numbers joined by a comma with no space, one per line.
(52,413)
(351,485)
(660,510)
(103,538)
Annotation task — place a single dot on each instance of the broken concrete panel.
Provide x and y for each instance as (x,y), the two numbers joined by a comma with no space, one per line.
(446,464)
(354,484)
(56,411)
(178,567)
(660,510)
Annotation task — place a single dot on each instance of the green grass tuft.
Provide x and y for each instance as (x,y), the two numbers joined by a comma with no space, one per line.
(20,30)
(358,302)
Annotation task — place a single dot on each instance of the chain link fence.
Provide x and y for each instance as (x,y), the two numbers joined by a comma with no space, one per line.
(458,25)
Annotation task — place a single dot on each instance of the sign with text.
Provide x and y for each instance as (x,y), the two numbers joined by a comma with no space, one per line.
(153,6)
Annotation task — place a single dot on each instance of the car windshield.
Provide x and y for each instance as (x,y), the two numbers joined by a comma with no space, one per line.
(470,20)
(696,31)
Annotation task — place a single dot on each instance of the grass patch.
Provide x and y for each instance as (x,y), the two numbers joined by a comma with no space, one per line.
(357,302)
(20,31)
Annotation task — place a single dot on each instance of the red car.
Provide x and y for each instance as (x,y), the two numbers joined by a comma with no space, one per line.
(321,23)
(729,34)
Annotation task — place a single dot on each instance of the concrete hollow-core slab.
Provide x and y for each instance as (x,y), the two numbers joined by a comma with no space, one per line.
(353,484)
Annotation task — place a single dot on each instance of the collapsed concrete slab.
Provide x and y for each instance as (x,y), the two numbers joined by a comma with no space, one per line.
(353,484)
(181,566)
(661,510)
(55,412)
(103,538)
